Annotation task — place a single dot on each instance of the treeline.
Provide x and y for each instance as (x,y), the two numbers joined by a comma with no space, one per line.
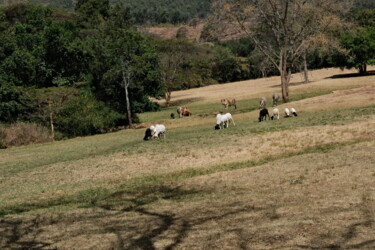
(149,11)
(67,70)
(61,69)
(73,72)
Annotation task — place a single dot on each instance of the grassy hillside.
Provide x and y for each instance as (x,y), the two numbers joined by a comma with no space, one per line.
(301,182)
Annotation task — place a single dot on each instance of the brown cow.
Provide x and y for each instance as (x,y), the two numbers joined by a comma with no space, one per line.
(183,111)
(228,103)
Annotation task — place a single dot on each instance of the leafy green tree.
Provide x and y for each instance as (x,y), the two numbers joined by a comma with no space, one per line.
(225,66)
(361,48)
(92,13)
(13,103)
(83,114)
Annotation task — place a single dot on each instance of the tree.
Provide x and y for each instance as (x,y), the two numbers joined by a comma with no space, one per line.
(361,48)
(174,53)
(359,43)
(50,102)
(13,103)
(280,29)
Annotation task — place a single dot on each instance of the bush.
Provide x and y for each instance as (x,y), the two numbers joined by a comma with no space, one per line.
(84,115)
(18,134)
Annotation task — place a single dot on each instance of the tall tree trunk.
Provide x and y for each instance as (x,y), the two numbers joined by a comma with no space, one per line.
(168,96)
(128,105)
(285,76)
(51,122)
(305,71)
(363,69)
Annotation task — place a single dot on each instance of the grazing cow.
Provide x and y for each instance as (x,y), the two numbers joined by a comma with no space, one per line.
(287,112)
(262,103)
(275,99)
(186,112)
(275,114)
(172,115)
(148,134)
(228,103)
(155,132)
(222,121)
(158,131)
(263,115)
(294,112)
(183,111)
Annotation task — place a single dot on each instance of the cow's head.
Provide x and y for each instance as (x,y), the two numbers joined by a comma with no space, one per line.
(148,134)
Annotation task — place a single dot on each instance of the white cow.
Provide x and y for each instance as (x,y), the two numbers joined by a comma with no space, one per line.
(287,112)
(157,131)
(275,114)
(222,121)
(294,112)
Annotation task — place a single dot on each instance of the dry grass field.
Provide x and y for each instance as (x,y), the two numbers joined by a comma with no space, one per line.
(305,182)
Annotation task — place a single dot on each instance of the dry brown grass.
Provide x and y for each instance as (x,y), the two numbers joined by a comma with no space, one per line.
(321,79)
(327,202)
(311,200)
(18,134)
(111,170)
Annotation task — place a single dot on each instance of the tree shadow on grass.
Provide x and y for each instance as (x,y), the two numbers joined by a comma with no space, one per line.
(350,75)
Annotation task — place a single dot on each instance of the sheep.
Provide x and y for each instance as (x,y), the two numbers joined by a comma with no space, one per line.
(275,114)
(222,121)
(294,112)
(262,103)
(263,115)
(287,112)
(275,99)
(228,103)
(155,132)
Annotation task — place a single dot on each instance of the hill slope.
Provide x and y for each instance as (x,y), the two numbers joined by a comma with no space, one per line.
(297,183)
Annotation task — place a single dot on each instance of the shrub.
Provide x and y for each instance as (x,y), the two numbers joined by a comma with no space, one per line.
(18,134)
(84,115)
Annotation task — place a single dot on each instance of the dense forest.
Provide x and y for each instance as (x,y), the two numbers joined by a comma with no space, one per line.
(72,71)
(145,11)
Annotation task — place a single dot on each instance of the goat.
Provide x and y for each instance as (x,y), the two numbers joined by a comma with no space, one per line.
(222,121)
(262,103)
(228,103)
(275,114)
(263,115)
(275,99)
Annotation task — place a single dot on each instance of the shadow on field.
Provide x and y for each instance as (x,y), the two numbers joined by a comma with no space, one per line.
(184,102)
(350,75)
(119,226)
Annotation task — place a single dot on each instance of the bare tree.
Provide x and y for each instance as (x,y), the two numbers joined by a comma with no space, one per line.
(126,73)
(50,102)
(281,29)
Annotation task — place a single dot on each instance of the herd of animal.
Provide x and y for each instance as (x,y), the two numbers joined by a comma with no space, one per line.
(223,120)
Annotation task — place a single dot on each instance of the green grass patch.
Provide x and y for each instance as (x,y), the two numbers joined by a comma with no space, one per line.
(210,109)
